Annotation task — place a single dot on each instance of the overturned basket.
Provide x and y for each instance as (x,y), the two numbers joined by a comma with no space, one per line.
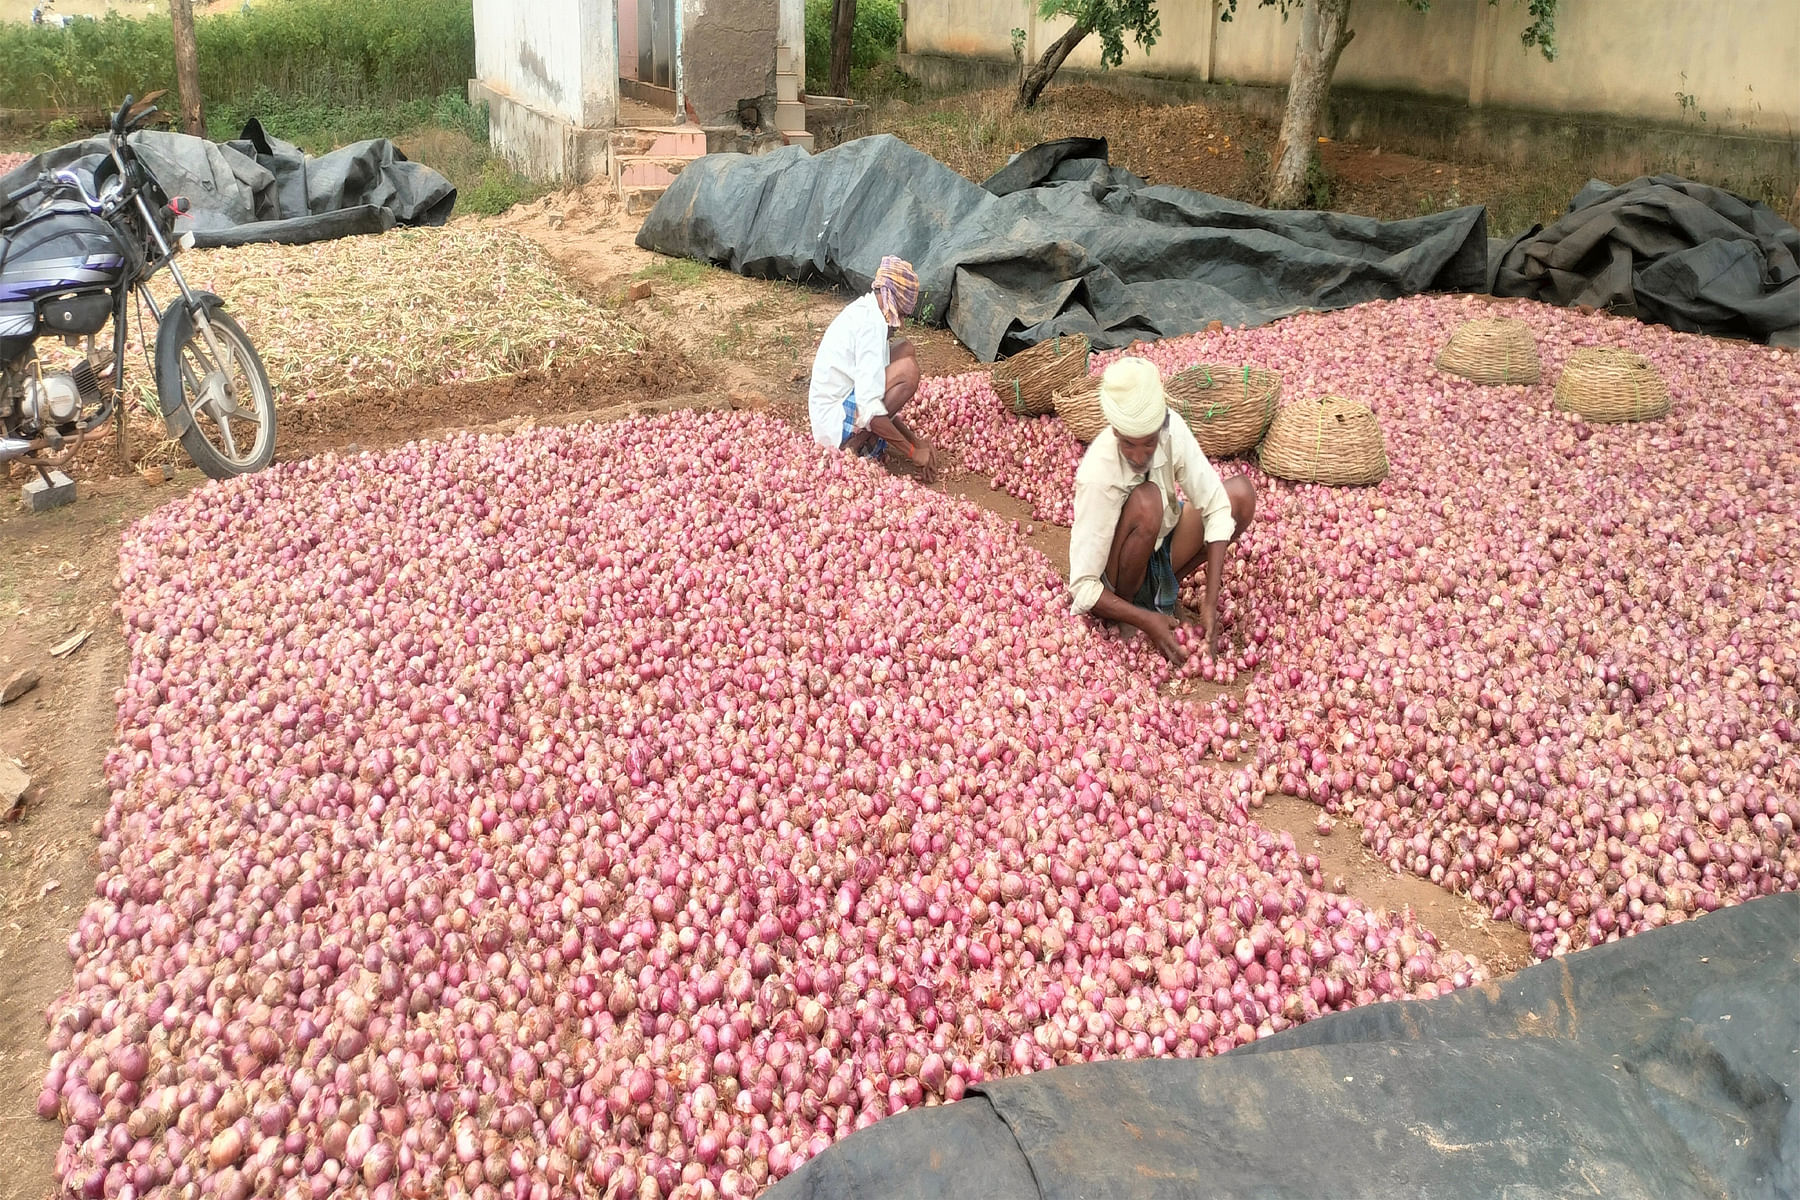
(1078,404)
(1491,350)
(1605,385)
(1329,440)
(1029,379)
(1228,408)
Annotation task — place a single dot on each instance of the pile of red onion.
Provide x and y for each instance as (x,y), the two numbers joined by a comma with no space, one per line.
(633,812)
(1553,665)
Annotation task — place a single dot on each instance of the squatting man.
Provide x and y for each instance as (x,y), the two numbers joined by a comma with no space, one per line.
(860,381)
(1133,540)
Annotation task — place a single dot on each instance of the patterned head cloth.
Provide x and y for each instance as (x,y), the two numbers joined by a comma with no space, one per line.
(896,289)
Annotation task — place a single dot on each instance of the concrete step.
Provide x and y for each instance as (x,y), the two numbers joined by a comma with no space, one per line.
(640,200)
(799,138)
(790,116)
(787,88)
(669,142)
(647,170)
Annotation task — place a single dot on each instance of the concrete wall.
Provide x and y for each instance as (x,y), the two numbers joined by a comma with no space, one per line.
(1624,58)
(728,60)
(559,57)
(627,25)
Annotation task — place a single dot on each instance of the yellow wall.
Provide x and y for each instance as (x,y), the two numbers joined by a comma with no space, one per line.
(973,28)
(1741,58)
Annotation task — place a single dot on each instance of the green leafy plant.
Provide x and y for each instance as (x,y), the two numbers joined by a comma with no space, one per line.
(1318,183)
(499,188)
(873,42)
(346,52)
(1109,20)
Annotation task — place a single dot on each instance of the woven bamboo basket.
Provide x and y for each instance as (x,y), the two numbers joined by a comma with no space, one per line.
(1491,350)
(1606,385)
(1228,408)
(1328,440)
(1078,405)
(1029,379)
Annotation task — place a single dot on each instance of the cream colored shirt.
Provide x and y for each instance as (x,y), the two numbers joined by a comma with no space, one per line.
(1105,479)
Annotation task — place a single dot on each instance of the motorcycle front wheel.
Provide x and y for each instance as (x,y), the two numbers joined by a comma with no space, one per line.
(232,431)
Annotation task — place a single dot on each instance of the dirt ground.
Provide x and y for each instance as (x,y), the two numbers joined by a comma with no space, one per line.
(712,339)
(1222,151)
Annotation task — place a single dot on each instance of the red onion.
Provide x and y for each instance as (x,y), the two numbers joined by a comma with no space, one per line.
(674,780)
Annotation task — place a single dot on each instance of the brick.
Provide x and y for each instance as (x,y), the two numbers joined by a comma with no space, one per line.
(39,496)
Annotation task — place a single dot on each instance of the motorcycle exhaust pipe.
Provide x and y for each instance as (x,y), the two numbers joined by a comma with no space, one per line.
(13,448)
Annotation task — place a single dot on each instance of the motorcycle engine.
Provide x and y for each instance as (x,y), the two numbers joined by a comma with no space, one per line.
(56,399)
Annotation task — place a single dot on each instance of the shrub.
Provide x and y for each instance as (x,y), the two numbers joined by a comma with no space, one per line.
(346,52)
(873,42)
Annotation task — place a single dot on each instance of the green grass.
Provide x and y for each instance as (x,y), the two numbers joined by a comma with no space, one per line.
(317,125)
(676,272)
(352,53)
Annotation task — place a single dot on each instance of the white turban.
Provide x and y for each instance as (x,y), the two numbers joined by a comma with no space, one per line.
(1131,396)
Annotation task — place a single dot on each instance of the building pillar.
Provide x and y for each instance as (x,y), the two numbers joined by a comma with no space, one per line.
(792,34)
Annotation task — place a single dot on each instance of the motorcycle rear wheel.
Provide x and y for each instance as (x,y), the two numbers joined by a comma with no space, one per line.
(232,431)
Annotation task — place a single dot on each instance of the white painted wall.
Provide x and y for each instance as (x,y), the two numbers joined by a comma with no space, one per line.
(560,56)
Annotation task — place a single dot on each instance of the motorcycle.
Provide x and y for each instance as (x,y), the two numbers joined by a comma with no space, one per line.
(92,236)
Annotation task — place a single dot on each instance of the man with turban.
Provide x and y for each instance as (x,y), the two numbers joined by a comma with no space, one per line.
(1133,540)
(860,383)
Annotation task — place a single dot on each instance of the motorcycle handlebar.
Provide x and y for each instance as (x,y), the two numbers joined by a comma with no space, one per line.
(118,121)
(31,189)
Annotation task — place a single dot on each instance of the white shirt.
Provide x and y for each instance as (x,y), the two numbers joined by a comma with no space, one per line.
(850,368)
(1104,480)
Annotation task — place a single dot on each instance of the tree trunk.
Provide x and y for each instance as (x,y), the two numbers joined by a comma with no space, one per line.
(1033,82)
(187,67)
(843,24)
(1324,32)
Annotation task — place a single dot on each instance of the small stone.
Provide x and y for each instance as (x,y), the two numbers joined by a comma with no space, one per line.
(17,684)
(40,496)
(13,784)
(641,290)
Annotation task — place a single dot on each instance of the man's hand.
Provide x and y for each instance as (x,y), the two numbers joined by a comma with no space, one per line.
(924,457)
(1162,635)
(1209,624)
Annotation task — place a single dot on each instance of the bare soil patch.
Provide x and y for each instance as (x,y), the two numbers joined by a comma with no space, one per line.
(374,420)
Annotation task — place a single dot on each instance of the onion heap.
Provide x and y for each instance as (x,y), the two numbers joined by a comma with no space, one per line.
(633,811)
(1552,665)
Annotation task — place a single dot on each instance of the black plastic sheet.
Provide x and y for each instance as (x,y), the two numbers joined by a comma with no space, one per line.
(1058,242)
(1667,250)
(261,189)
(1663,1065)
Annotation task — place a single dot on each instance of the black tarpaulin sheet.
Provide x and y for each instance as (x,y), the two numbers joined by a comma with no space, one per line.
(1059,241)
(1667,250)
(259,189)
(1663,1065)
